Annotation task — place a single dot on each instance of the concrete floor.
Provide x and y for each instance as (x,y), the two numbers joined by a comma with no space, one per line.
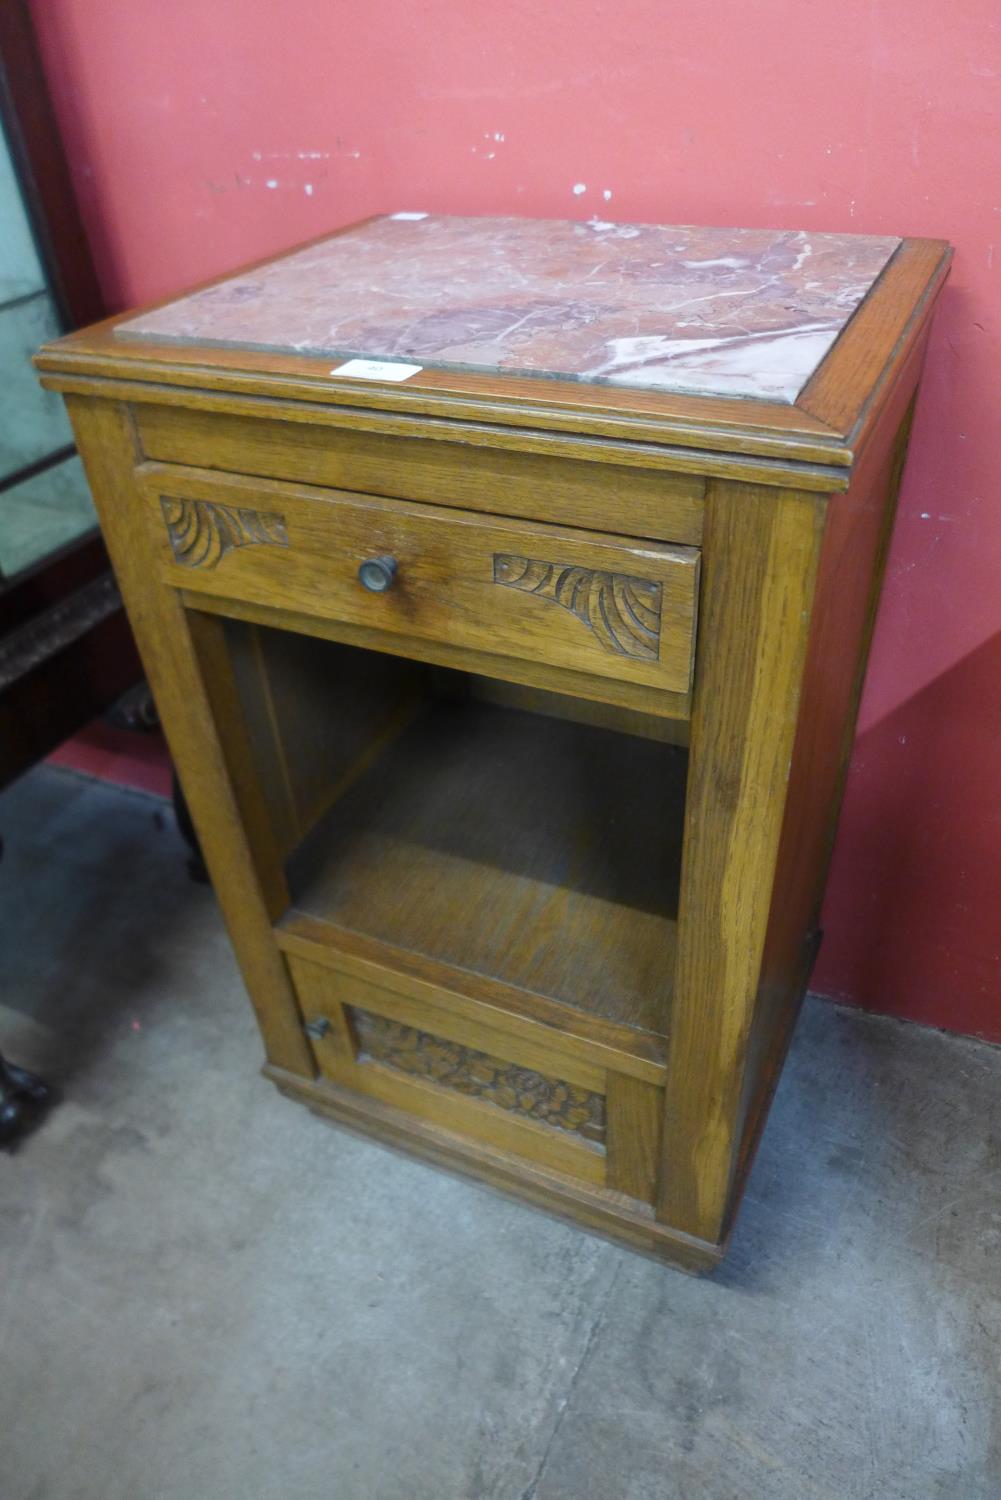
(209,1294)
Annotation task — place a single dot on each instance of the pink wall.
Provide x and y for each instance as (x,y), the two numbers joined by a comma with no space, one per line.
(204,133)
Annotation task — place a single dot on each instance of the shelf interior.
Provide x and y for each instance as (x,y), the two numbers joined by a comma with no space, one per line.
(535,850)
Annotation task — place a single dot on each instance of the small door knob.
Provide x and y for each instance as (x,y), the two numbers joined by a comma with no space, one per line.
(317,1030)
(377,574)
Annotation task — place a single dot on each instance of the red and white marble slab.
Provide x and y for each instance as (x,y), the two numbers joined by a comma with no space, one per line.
(722,312)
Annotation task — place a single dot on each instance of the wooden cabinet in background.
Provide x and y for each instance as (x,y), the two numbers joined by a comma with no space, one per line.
(506,588)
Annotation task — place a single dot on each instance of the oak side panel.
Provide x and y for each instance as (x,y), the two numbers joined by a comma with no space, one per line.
(265,740)
(761,554)
(210,646)
(853,559)
(315,715)
(106,441)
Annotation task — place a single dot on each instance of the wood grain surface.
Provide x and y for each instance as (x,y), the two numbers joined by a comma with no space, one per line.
(301,548)
(539,852)
(548,486)
(574,1037)
(762,551)
(464,808)
(176,673)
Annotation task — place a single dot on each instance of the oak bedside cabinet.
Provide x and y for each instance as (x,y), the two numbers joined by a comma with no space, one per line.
(506,588)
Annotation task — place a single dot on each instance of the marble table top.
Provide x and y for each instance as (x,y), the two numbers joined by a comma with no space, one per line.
(722,312)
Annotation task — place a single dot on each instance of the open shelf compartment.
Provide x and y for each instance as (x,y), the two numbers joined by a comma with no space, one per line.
(479,832)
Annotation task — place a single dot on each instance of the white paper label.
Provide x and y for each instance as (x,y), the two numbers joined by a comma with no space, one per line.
(408,216)
(376,369)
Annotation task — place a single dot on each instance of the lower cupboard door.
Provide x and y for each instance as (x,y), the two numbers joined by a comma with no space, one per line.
(455,1074)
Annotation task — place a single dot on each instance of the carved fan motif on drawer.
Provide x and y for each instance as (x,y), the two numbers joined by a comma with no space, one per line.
(201,532)
(623,612)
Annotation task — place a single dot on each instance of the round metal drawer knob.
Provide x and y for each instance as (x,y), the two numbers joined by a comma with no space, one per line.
(377,573)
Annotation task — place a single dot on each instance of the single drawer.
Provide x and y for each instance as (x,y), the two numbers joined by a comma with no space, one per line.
(604,605)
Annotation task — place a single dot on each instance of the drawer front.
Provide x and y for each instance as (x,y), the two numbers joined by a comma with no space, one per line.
(603,605)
